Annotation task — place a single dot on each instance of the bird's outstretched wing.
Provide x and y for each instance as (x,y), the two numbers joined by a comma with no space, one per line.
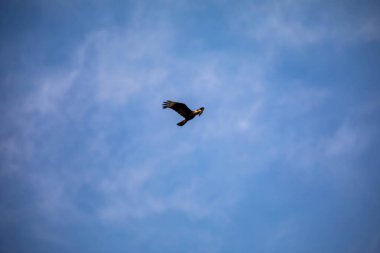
(180,108)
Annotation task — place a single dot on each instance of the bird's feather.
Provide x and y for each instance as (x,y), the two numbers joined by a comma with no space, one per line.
(180,108)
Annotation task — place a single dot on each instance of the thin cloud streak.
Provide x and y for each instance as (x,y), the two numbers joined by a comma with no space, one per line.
(283,24)
(116,82)
(90,142)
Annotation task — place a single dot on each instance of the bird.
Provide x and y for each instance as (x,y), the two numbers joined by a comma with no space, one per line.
(183,110)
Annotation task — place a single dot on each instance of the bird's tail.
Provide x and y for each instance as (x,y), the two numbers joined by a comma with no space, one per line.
(183,122)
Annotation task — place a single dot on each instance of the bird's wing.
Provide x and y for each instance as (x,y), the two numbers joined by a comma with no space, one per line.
(180,108)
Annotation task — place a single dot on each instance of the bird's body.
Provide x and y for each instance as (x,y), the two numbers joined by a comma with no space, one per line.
(183,110)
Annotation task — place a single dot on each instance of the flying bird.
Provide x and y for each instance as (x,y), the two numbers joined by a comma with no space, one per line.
(183,110)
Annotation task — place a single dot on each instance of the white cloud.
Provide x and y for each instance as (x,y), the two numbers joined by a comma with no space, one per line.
(347,140)
(126,62)
(297,24)
(50,92)
(142,192)
(115,66)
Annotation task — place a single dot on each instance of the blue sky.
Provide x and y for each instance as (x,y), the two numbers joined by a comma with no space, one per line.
(285,157)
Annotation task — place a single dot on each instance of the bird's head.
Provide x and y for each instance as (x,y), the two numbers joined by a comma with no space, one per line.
(200,110)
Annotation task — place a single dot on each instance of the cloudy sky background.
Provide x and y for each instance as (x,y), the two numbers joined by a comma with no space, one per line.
(285,157)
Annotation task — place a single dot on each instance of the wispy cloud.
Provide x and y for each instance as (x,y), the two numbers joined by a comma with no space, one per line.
(299,24)
(91,142)
(346,140)
(50,93)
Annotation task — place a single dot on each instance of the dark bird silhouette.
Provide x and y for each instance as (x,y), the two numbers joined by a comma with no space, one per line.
(183,110)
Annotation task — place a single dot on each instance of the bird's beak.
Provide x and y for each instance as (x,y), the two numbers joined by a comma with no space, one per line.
(202,109)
